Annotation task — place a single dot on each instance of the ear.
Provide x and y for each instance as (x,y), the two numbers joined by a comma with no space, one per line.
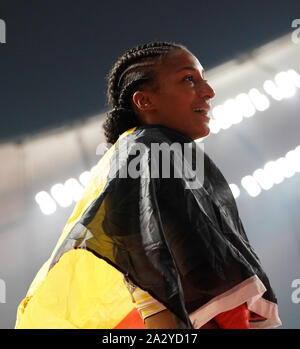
(143,100)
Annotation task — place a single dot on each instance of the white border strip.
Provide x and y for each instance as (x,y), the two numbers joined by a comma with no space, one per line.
(250,291)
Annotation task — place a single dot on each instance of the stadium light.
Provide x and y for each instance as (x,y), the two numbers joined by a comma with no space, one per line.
(285,84)
(74,189)
(251,186)
(61,195)
(260,101)
(84,177)
(245,105)
(46,203)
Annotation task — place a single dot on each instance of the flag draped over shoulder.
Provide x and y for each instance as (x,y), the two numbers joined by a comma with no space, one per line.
(182,242)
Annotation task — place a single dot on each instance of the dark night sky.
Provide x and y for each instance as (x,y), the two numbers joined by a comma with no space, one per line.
(53,66)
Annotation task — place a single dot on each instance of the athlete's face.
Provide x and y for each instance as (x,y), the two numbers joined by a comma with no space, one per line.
(182,100)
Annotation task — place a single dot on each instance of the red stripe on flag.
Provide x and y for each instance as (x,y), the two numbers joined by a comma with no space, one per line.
(131,320)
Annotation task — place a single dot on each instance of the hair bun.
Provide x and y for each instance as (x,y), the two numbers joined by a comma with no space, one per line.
(119,120)
(121,110)
(123,114)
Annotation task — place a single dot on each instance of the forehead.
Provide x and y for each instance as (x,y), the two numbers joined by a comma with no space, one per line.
(178,60)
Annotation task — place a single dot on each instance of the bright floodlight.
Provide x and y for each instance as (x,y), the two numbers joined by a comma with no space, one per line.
(61,195)
(217,112)
(297,149)
(93,169)
(285,167)
(245,105)
(263,179)
(84,177)
(235,190)
(213,126)
(220,114)
(294,76)
(74,189)
(232,111)
(46,203)
(251,186)
(285,84)
(273,172)
(260,100)
(297,157)
(273,90)
(293,158)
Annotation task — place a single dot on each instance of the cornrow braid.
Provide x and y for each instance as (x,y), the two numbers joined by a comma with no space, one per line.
(134,69)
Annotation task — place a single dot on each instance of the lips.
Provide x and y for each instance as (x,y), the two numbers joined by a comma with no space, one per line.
(203,109)
(203,112)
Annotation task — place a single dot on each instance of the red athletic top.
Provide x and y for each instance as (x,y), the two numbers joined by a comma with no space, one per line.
(237,318)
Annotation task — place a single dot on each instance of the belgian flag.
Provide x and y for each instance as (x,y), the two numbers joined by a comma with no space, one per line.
(184,244)
(80,290)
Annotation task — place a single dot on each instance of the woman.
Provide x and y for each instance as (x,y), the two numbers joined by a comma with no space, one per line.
(179,242)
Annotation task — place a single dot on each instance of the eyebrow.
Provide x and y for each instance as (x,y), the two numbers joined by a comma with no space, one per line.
(189,68)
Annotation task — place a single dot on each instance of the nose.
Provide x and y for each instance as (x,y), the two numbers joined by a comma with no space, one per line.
(205,91)
(209,92)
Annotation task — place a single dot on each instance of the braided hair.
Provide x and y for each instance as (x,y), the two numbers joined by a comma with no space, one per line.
(134,70)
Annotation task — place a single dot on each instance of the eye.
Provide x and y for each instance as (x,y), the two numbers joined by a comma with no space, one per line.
(192,79)
(189,78)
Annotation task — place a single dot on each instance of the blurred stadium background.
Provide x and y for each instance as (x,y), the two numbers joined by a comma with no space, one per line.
(254,140)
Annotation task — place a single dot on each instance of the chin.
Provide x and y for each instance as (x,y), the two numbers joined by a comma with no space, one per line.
(204,133)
